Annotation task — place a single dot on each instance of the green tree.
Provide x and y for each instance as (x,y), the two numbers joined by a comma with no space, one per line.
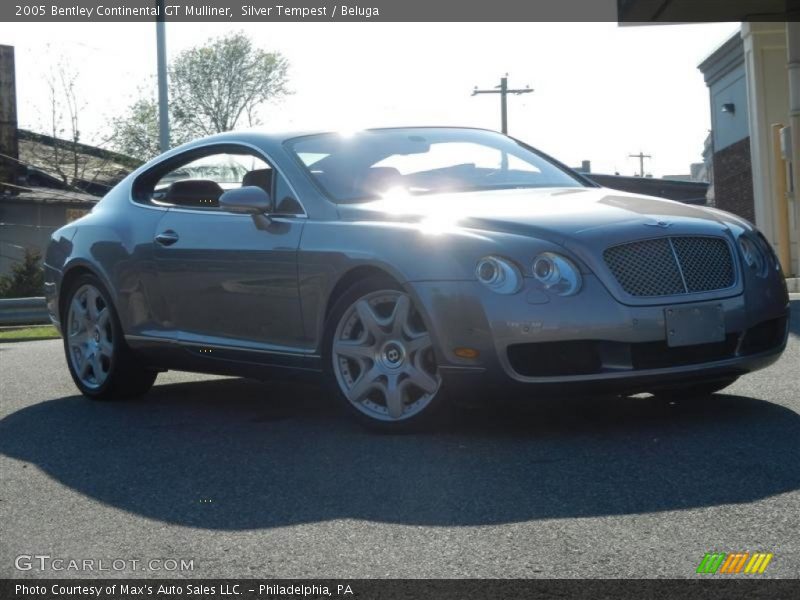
(136,134)
(213,88)
(26,278)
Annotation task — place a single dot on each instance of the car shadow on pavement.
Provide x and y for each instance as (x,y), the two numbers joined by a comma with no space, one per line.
(235,454)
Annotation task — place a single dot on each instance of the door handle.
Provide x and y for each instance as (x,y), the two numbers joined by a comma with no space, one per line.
(167,238)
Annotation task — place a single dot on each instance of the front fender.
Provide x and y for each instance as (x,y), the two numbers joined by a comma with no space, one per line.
(113,242)
(56,256)
(408,252)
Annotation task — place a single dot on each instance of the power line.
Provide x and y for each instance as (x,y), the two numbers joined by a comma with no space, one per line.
(504,91)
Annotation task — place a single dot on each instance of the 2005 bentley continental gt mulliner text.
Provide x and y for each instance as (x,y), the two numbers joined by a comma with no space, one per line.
(402,265)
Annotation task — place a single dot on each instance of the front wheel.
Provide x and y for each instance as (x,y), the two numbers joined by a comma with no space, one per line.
(99,360)
(381,357)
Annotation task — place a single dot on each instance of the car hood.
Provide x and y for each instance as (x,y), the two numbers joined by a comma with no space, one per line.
(559,215)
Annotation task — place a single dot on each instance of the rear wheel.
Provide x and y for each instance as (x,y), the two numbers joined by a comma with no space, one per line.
(99,360)
(381,357)
(701,390)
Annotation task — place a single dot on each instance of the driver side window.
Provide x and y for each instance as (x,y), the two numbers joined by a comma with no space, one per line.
(198,178)
(199,182)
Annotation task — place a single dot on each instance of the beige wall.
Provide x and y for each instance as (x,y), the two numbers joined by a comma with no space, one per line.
(768,103)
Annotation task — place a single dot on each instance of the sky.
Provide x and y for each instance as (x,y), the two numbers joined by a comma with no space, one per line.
(601,92)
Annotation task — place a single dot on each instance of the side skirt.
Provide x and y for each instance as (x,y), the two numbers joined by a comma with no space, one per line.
(164,354)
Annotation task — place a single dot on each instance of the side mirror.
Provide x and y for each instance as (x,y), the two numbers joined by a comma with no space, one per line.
(248,200)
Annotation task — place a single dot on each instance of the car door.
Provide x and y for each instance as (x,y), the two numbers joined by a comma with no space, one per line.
(131,265)
(226,281)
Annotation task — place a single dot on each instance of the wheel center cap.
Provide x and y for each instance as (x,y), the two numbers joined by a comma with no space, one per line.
(97,336)
(393,354)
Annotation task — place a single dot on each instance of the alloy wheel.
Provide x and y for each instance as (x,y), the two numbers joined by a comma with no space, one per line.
(383,357)
(90,336)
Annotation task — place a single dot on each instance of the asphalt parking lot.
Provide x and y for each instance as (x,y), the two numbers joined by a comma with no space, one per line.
(262,480)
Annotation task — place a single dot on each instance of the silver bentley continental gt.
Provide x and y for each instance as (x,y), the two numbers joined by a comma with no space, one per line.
(404,264)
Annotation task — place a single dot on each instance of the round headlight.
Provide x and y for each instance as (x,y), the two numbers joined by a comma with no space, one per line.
(753,256)
(557,273)
(546,270)
(499,275)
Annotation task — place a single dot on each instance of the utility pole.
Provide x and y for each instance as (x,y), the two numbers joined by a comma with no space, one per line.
(503,90)
(9,137)
(641,156)
(163,108)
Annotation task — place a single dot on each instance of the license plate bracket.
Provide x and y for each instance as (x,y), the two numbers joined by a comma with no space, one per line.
(694,324)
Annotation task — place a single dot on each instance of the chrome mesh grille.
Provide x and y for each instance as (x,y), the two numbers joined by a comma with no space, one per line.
(672,265)
(706,263)
(645,268)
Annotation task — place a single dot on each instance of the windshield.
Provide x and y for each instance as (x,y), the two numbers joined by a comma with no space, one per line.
(370,164)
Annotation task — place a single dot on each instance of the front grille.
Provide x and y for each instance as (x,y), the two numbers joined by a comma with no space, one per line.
(706,263)
(672,265)
(646,268)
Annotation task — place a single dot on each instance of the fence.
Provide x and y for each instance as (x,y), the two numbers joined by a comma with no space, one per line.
(15,238)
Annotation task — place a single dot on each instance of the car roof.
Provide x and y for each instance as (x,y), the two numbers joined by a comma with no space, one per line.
(271,140)
(278,137)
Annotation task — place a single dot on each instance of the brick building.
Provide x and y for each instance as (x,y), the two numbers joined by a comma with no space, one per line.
(732,179)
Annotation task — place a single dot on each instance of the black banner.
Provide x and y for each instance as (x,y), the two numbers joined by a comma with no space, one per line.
(625,11)
(359,589)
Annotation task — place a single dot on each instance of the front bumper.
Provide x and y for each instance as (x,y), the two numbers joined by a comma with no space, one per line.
(591,341)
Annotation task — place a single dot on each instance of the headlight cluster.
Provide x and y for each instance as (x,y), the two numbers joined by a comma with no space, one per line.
(499,275)
(754,255)
(556,273)
(769,251)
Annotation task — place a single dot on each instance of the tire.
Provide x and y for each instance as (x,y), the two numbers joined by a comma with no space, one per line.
(100,362)
(380,360)
(701,390)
